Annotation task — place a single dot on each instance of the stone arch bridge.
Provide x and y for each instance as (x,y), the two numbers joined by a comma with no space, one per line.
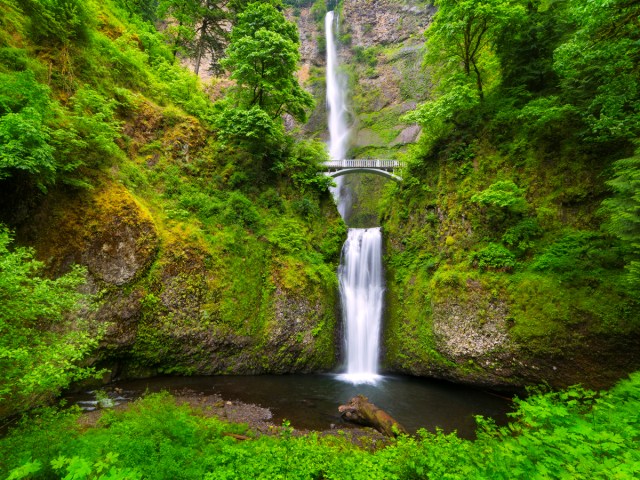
(386,168)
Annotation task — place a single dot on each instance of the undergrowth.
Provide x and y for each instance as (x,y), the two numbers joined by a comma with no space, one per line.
(576,433)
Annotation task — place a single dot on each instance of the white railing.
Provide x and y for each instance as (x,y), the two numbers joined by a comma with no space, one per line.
(365,163)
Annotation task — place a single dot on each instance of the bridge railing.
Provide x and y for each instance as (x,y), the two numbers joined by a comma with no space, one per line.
(365,163)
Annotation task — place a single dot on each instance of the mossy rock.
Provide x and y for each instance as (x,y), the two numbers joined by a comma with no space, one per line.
(106,229)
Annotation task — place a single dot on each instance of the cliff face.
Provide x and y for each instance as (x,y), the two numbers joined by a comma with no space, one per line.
(551,309)
(449,316)
(197,279)
(380,52)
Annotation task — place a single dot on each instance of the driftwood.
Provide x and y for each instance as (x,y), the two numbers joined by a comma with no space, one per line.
(361,411)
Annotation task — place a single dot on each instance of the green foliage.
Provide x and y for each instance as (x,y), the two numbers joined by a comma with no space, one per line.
(42,339)
(13,58)
(525,49)
(503,202)
(91,131)
(197,29)
(319,11)
(252,128)
(24,136)
(263,57)
(579,254)
(240,210)
(623,212)
(59,21)
(599,70)
(288,236)
(104,469)
(570,434)
(463,33)
(574,433)
(502,195)
(457,98)
(522,236)
(304,166)
(365,55)
(45,141)
(494,257)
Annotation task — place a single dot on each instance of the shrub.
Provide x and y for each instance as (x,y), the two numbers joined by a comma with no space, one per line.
(13,58)
(59,21)
(25,139)
(580,256)
(42,339)
(495,257)
(252,128)
(504,195)
(521,236)
(622,211)
(288,236)
(240,211)
(304,166)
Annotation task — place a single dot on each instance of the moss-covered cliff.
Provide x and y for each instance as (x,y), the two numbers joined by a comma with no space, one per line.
(485,295)
(498,270)
(201,256)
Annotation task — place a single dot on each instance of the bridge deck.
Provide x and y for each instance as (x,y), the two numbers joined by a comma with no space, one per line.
(364,163)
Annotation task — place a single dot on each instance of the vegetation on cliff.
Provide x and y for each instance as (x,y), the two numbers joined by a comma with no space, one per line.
(518,213)
(203,252)
(209,243)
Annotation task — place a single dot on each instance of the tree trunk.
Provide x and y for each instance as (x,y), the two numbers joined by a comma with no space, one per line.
(361,411)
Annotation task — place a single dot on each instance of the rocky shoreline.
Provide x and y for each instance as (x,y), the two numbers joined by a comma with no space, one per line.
(259,420)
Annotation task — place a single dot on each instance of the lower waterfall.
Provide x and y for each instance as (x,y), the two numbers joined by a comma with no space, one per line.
(362,291)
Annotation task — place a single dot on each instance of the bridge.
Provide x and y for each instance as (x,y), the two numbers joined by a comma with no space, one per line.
(386,168)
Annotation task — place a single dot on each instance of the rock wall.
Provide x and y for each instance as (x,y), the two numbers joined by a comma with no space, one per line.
(445,318)
(180,296)
(380,50)
(503,327)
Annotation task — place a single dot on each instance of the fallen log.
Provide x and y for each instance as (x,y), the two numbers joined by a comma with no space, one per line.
(237,436)
(361,411)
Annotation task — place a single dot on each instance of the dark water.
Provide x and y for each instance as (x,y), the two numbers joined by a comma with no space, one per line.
(311,401)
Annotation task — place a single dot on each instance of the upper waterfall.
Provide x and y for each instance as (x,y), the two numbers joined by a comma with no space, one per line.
(336,98)
(337,117)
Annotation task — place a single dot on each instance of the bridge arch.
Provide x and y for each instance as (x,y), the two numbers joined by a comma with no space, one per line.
(346,171)
(385,168)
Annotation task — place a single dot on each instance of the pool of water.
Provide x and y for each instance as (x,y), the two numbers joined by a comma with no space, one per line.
(311,401)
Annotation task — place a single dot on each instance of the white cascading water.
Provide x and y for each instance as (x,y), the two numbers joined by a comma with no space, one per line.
(360,274)
(337,108)
(362,292)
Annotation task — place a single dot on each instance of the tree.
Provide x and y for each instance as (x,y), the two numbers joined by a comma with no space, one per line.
(211,34)
(24,136)
(623,212)
(463,31)
(59,21)
(147,9)
(41,337)
(526,52)
(263,58)
(198,28)
(599,67)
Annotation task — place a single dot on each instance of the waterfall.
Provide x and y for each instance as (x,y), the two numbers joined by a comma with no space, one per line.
(337,112)
(362,292)
(336,101)
(360,273)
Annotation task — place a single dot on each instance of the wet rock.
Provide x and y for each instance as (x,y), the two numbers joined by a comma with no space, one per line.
(408,135)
